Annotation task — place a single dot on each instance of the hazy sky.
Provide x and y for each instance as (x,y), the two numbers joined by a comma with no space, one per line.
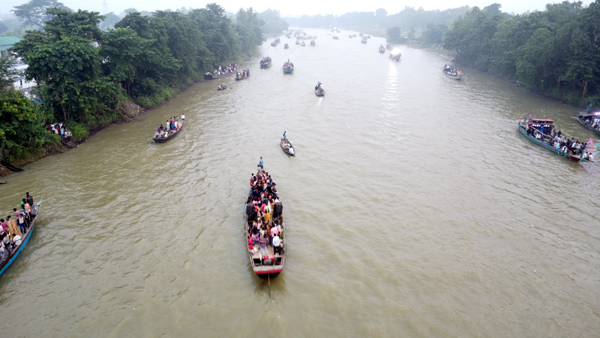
(295,8)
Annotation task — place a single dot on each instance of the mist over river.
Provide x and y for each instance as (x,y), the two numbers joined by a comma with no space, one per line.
(414,208)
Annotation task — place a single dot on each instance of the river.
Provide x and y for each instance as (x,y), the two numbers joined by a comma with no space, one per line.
(414,208)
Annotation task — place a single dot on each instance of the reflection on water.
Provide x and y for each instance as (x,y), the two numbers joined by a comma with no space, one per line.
(414,208)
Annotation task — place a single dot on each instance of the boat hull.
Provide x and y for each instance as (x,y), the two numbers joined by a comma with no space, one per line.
(11,258)
(454,77)
(281,144)
(320,92)
(242,78)
(265,65)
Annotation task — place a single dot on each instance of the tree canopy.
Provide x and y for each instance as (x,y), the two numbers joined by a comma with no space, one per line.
(34,14)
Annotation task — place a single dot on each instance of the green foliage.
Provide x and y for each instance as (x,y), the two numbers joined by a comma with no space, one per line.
(248,28)
(7,74)
(434,34)
(21,126)
(394,35)
(79,130)
(34,13)
(556,51)
(274,24)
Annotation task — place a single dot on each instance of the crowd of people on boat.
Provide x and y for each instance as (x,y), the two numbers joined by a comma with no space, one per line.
(265,60)
(264,226)
(593,122)
(288,64)
(243,74)
(225,70)
(448,69)
(556,139)
(60,129)
(172,125)
(14,230)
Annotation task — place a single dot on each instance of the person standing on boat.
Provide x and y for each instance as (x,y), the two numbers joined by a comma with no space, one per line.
(284,137)
(530,116)
(260,163)
(13,229)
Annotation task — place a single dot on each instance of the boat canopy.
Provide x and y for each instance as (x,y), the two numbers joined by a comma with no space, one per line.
(542,122)
(585,114)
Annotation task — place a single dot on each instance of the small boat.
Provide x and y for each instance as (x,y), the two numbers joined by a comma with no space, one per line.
(287,147)
(363,40)
(274,44)
(161,139)
(312,43)
(395,55)
(288,68)
(367,36)
(586,119)
(211,76)
(381,49)
(7,259)
(271,263)
(303,44)
(350,36)
(320,91)
(243,75)
(297,42)
(389,47)
(452,72)
(222,86)
(266,62)
(286,46)
(335,37)
(534,131)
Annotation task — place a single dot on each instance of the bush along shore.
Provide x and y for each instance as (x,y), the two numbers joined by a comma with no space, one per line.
(88,78)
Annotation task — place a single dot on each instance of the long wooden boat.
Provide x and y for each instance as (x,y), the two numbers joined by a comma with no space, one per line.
(10,258)
(320,92)
(266,268)
(211,76)
(159,139)
(288,69)
(11,167)
(523,125)
(587,118)
(287,147)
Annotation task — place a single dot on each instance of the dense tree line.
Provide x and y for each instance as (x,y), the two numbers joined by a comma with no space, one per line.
(273,23)
(555,51)
(85,74)
(406,20)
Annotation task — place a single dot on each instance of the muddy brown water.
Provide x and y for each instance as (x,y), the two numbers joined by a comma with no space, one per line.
(414,209)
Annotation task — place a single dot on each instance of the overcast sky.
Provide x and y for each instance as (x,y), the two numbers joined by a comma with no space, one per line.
(295,8)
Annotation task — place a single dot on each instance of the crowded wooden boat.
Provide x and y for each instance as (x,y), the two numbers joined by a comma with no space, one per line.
(221,72)
(264,227)
(265,62)
(544,133)
(15,233)
(288,67)
(172,127)
(244,74)
(590,120)
(452,72)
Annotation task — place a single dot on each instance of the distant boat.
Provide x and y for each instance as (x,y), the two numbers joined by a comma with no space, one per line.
(265,62)
(335,37)
(389,47)
(222,87)
(286,46)
(320,91)
(395,55)
(363,40)
(7,259)
(452,72)
(312,43)
(161,139)
(211,76)
(587,120)
(288,68)
(241,76)
(381,49)
(303,44)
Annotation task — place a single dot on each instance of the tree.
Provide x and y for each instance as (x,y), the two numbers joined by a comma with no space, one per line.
(274,24)
(7,73)
(248,29)
(380,12)
(33,13)
(109,21)
(394,35)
